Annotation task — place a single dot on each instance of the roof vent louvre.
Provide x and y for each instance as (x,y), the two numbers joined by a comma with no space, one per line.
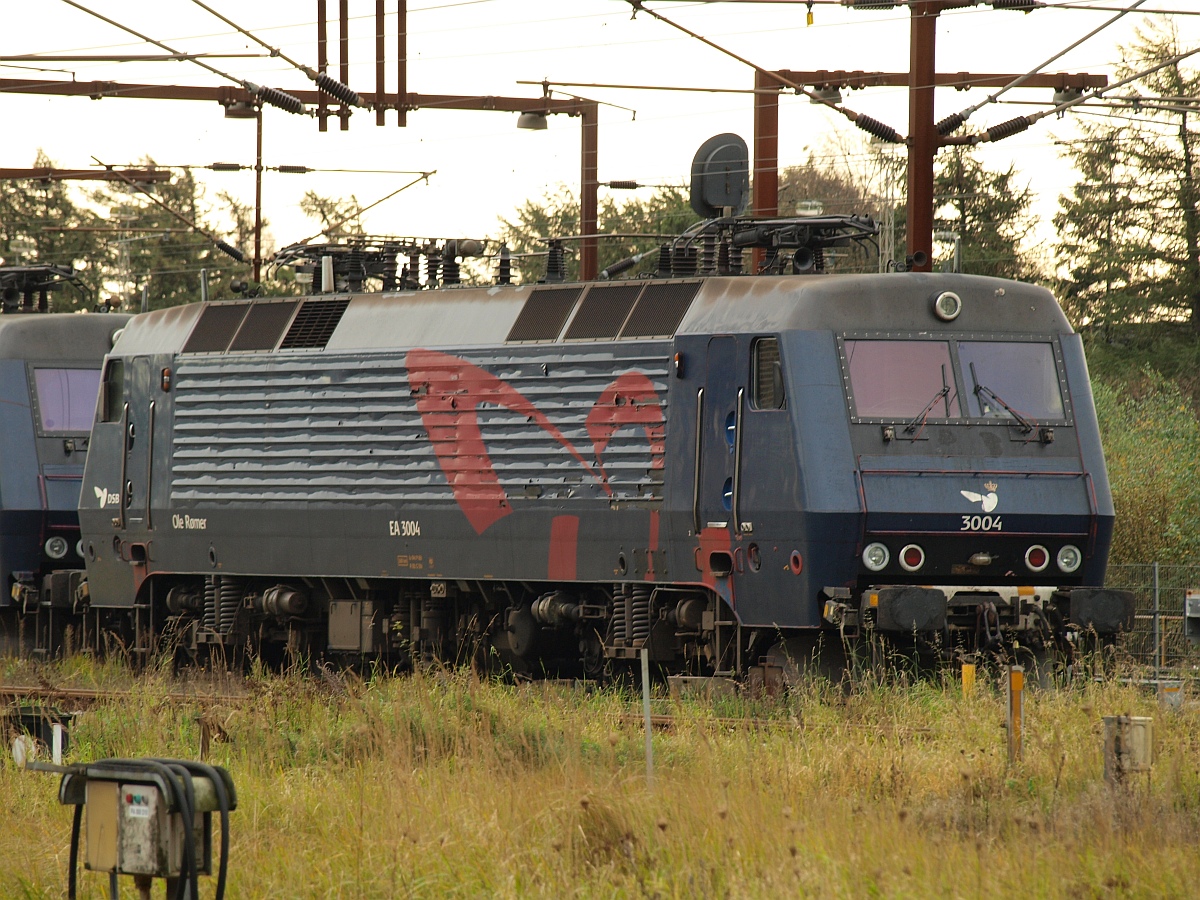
(603,312)
(660,309)
(215,328)
(314,324)
(543,315)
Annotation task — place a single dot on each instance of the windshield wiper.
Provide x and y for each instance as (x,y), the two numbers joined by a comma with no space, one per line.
(987,393)
(923,414)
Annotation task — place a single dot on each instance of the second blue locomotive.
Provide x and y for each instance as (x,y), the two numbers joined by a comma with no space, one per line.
(49,378)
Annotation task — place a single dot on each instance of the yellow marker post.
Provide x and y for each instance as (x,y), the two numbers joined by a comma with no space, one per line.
(968,679)
(1016,712)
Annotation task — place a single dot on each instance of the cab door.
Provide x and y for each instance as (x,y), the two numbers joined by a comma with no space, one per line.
(720,424)
(138,414)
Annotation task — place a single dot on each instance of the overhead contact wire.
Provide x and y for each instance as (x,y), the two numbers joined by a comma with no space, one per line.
(269,95)
(1021,123)
(872,126)
(952,123)
(226,248)
(322,80)
(424,176)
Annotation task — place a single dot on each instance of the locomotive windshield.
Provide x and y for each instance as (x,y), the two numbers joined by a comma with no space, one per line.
(66,398)
(900,379)
(1023,375)
(897,379)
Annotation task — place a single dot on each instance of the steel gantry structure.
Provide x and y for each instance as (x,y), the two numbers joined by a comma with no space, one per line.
(925,135)
(249,97)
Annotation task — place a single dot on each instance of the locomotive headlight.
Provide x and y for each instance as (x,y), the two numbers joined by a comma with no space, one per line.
(56,547)
(876,557)
(1069,558)
(947,305)
(1037,558)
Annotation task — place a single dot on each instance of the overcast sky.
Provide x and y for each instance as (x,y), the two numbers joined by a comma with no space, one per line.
(486,166)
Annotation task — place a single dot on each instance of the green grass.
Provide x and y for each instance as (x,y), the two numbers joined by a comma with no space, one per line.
(444,785)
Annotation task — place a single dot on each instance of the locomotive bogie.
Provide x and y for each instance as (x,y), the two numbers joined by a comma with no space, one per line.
(522,628)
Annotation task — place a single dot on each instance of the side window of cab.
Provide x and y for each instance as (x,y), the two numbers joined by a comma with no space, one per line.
(766,375)
(112,391)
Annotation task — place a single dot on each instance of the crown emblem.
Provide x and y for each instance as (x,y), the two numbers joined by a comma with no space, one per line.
(991,485)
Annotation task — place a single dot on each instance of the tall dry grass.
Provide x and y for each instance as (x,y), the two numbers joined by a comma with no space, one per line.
(444,785)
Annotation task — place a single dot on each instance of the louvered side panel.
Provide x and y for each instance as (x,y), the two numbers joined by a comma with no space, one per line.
(292,430)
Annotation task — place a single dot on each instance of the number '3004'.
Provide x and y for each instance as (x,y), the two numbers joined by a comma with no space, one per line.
(981,523)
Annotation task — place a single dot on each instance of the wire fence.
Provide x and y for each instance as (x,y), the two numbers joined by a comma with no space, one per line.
(1158,638)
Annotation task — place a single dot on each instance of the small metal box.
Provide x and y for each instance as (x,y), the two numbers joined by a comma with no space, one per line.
(1191,615)
(141,814)
(352,625)
(1128,746)
(131,831)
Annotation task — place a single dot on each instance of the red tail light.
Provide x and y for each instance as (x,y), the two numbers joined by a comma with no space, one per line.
(1036,558)
(912,558)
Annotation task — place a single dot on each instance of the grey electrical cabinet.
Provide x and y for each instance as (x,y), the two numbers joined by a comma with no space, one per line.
(1191,615)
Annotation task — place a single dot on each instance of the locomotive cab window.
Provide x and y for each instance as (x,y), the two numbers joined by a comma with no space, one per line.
(901,379)
(112,391)
(766,374)
(1023,375)
(66,399)
(961,381)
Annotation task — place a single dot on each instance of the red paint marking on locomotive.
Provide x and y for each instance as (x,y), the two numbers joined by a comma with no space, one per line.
(564,547)
(449,390)
(715,540)
(629,400)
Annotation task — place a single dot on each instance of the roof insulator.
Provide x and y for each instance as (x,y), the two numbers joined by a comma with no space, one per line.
(226,167)
(294,170)
(1018,5)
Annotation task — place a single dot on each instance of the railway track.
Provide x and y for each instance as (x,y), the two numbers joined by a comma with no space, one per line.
(68,699)
(84,697)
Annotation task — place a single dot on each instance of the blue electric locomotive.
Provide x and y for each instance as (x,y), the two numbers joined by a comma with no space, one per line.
(49,381)
(558,475)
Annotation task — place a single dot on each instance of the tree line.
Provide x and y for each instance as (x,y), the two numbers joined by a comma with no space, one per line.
(117,241)
(121,244)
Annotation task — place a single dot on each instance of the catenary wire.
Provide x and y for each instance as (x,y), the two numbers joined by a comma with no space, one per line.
(866,123)
(956,121)
(322,80)
(1021,123)
(269,95)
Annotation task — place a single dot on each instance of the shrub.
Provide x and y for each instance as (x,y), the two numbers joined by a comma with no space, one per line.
(1152,445)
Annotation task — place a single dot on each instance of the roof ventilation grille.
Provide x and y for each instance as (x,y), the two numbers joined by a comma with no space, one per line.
(314,324)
